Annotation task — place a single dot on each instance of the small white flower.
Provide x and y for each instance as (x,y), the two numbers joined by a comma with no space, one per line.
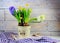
(38,18)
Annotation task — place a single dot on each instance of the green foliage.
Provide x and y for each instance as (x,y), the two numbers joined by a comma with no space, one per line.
(25,13)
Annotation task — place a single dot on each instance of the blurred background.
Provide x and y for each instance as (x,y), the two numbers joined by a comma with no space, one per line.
(50,8)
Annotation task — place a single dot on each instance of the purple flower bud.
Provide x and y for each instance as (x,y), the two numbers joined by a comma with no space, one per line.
(12,9)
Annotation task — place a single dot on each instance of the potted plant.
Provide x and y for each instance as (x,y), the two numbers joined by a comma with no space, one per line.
(22,14)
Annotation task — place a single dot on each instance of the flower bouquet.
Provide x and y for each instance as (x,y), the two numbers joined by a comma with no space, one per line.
(22,14)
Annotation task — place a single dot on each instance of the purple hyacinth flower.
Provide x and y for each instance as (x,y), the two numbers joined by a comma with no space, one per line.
(12,9)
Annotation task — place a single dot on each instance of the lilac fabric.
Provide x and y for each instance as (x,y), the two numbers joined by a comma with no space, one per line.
(5,37)
(47,39)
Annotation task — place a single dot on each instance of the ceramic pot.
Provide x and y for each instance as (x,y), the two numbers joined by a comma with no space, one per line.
(24,31)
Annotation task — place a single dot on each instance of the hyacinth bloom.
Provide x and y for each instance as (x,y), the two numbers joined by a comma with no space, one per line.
(20,7)
(12,9)
(27,4)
